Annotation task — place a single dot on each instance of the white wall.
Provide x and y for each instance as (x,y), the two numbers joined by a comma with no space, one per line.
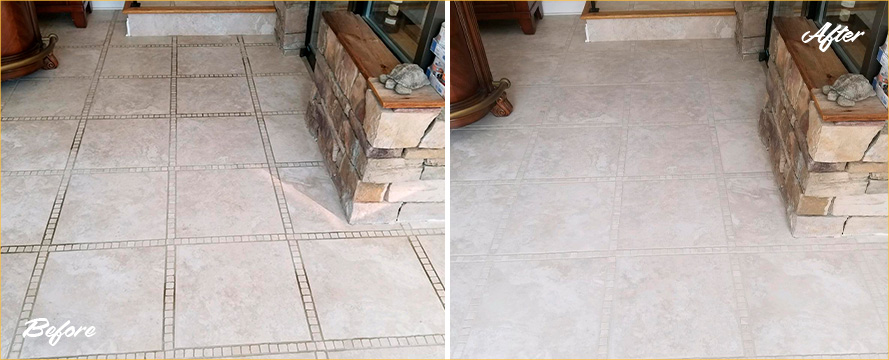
(562,7)
(107,5)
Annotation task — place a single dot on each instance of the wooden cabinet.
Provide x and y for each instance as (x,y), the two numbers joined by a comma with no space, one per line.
(77,9)
(526,12)
(473,91)
(24,51)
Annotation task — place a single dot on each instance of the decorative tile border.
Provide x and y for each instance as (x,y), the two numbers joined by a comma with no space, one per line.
(305,292)
(431,273)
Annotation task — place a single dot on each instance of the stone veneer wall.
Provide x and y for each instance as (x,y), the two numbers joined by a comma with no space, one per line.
(290,28)
(750,30)
(833,176)
(388,165)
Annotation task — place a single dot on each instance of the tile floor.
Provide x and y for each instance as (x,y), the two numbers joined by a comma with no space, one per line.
(166,191)
(626,209)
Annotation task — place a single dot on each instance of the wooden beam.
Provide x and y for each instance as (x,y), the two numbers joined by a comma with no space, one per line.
(654,13)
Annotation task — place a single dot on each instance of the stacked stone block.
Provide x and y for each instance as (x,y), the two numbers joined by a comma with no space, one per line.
(290,28)
(832,176)
(750,31)
(387,164)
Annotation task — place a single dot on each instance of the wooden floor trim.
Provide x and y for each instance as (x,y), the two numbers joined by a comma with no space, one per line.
(642,14)
(128,9)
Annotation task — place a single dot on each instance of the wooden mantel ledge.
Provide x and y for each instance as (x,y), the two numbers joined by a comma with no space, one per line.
(823,68)
(373,58)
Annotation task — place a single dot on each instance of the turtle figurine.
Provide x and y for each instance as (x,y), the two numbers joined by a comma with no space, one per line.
(848,89)
(405,78)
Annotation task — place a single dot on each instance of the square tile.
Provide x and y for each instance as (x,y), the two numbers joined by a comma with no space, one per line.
(559,218)
(16,269)
(36,145)
(120,37)
(587,105)
(73,62)
(575,153)
(877,263)
(488,154)
(271,59)
(677,103)
(290,138)
(466,278)
(535,100)
(729,66)
(594,69)
(758,214)
(552,37)
(737,100)
(675,213)
(124,143)
(434,245)
(258,39)
(692,296)
(420,352)
(681,45)
(226,202)
(741,148)
(213,95)
(670,150)
(69,35)
(313,203)
(26,205)
(244,293)
(132,97)
(370,288)
(214,141)
(210,60)
(666,66)
(114,207)
(284,93)
(138,61)
(525,69)
(208,39)
(68,98)
(820,294)
(120,292)
(476,213)
(524,312)
(8,87)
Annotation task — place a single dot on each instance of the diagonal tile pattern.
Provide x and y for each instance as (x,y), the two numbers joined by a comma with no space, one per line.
(626,209)
(168,193)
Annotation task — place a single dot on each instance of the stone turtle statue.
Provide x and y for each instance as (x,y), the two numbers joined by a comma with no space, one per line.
(848,89)
(405,78)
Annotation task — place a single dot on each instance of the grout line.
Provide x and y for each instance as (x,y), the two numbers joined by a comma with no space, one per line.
(299,164)
(474,302)
(169,329)
(607,309)
(431,273)
(870,282)
(146,116)
(305,292)
(49,231)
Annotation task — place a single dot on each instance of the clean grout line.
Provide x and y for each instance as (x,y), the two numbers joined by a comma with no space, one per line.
(430,271)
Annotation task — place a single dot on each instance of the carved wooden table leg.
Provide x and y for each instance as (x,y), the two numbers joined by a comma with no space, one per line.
(23,50)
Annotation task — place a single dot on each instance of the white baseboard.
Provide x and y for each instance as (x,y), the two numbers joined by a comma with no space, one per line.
(107,5)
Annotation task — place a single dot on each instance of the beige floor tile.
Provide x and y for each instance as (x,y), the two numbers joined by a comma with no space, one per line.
(737,100)
(741,148)
(313,202)
(271,59)
(573,153)
(215,141)
(434,245)
(559,218)
(593,69)
(587,105)
(665,66)
(243,293)
(26,205)
(422,352)
(465,279)
(290,138)
(724,45)
(124,143)
(822,295)
(674,213)
(758,215)
(226,202)
(525,69)
(68,98)
(474,223)
(132,96)
(114,207)
(72,62)
(16,269)
(672,307)
(370,288)
(284,93)
(138,61)
(669,150)
(36,145)
(119,37)
(728,66)
(643,47)
(259,39)
(213,95)
(530,105)
(677,103)
(539,309)
(209,39)
(877,263)
(579,44)
(210,60)
(94,34)
(8,87)
(488,155)
(506,36)
(120,292)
